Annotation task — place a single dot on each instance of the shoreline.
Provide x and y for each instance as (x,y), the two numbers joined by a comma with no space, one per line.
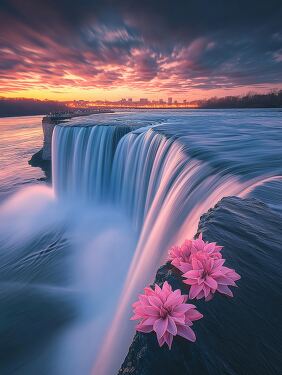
(113,109)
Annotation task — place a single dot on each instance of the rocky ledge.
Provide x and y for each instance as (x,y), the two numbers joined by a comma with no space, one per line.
(237,336)
(42,158)
(37,160)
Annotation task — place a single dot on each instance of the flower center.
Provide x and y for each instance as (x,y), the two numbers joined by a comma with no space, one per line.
(205,274)
(163,312)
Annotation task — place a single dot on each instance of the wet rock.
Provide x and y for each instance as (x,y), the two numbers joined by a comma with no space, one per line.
(48,126)
(237,336)
(38,161)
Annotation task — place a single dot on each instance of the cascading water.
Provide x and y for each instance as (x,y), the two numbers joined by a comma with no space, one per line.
(82,160)
(150,178)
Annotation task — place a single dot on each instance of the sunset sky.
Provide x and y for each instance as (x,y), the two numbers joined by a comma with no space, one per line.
(101,49)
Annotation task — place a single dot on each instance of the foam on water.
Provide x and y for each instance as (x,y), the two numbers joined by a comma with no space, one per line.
(67,252)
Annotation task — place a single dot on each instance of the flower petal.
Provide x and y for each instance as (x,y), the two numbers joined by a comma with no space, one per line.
(168,340)
(193,314)
(224,290)
(211,282)
(171,326)
(160,326)
(144,329)
(155,301)
(195,290)
(151,310)
(186,332)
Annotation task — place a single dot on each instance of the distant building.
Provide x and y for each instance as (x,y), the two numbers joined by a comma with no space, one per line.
(161,101)
(144,101)
(129,100)
(169,101)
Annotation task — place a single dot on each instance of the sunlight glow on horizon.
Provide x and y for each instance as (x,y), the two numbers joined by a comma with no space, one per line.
(70,93)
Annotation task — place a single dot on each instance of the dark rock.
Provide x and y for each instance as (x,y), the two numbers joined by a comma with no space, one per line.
(237,336)
(48,125)
(37,161)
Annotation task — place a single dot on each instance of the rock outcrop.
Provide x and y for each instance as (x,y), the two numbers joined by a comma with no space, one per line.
(38,161)
(48,125)
(42,158)
(237,336)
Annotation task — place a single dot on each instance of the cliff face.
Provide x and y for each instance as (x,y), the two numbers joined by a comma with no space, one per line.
(48,127)
(238,336)
(42,158)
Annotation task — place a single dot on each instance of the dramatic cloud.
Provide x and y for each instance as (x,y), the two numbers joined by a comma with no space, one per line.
(146,46)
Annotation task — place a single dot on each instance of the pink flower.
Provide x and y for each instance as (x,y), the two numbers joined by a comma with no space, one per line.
(180,256)
(208,275)
(164,311)
(208,247)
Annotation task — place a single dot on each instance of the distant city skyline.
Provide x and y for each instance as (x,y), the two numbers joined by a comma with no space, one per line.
(23,106)
(128,102)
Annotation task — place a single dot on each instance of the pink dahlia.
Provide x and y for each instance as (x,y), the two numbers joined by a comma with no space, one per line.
(208,275)
(208,247)
(180,256)
(165,312)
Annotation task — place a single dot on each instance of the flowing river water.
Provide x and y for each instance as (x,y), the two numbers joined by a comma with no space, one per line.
(126,186)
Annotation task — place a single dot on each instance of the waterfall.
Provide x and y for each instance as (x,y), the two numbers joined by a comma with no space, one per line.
(75,256)
(82,160)
(150,178)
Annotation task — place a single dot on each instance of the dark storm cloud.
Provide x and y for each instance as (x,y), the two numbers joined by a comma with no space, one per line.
(172,44)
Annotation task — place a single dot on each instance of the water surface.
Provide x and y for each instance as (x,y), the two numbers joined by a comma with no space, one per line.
(73,259)
(21,137)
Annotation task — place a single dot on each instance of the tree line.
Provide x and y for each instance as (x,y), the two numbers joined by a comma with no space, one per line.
(29,107)
(251,100)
